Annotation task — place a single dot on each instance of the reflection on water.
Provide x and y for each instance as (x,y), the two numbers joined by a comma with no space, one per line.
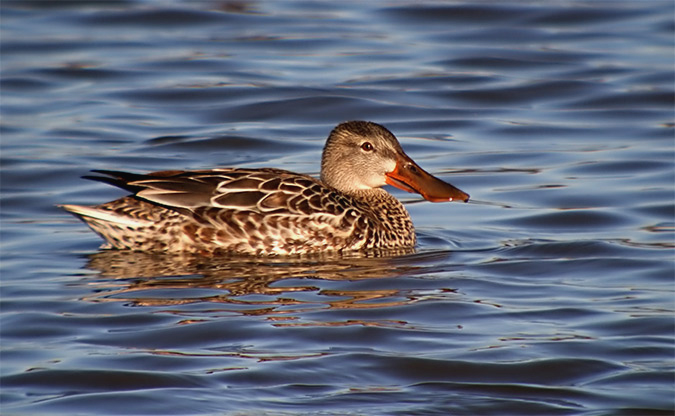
(149,279)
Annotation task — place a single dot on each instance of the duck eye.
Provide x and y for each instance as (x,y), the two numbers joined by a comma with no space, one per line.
(366,146)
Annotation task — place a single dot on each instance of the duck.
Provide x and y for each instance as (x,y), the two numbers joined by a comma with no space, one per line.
(269,211)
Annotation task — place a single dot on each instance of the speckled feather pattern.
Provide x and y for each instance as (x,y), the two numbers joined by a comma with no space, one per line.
(247,211)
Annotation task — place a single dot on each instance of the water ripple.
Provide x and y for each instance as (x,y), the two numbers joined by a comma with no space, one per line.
(550,293)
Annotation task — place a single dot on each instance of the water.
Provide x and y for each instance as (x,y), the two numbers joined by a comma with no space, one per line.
(550,294)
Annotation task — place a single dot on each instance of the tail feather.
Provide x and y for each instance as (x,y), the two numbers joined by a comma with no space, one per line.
(128,181)
(116,178)
(95,214)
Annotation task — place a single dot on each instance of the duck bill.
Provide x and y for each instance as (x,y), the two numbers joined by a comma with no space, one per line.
(407,175)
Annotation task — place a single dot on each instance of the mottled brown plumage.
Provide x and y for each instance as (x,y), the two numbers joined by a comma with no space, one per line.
(272,211)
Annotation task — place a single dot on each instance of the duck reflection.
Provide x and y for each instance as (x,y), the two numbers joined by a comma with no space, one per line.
(253,286)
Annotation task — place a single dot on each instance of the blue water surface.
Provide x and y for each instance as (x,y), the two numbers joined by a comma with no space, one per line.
(551,293)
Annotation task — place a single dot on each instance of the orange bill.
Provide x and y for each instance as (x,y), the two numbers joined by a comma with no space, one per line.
(407,175)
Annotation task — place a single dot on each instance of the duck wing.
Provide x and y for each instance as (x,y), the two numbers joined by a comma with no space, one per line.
(258,190)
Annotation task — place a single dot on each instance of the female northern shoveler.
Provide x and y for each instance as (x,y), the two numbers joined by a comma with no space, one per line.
(273,211)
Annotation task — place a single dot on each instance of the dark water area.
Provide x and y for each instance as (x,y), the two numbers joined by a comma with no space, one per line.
(550,293)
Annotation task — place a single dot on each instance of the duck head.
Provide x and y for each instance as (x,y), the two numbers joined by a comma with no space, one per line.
(361,155)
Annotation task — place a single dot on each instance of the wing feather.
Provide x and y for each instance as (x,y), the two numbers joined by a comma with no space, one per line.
(252,190)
